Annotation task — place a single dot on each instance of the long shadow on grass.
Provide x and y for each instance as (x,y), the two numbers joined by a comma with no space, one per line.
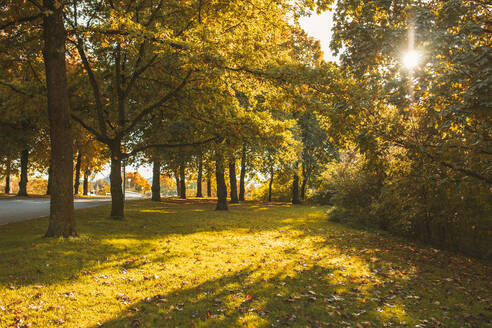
(236,299)
(26,258)
(400,279)
(309,298)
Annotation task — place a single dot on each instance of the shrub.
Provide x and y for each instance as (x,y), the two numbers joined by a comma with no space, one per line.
(410,200)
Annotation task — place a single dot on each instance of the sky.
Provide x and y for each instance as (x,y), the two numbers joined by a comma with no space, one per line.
(317,26)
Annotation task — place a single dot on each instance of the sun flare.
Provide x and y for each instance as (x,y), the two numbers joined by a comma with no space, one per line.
(411,59)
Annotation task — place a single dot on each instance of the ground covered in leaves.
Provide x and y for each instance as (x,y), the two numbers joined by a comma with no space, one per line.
(182,264)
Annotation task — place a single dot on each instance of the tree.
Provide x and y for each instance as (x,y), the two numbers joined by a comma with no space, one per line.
(128,57)
(21,26)
(295,189)
(270,184)
(77,174)
(221,185)
(85,188)
(233,179)
(199,176)
(7,173)
(200,45)
(156,179)
(182,176)
(209,185)
(317,150)
(24,161)
(242,176)
(137,182)
(19,132)
(416,134)
(62,222)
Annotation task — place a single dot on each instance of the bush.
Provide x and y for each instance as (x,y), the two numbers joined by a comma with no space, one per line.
(409,200)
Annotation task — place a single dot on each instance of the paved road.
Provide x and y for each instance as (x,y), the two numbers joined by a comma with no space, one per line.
(13,210)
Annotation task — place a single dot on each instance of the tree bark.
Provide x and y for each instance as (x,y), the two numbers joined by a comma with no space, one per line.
(221,185)
(199,178)
(182,181)
(295,190)
(77,174)
(305,178)
(242,175)
(270,185)
(209,185)
(50,180)
(232,180)
(178,184)
(86,182)
(117,202)
(24,159)
(156,180)
(303,188)
(7,177)
(62,221)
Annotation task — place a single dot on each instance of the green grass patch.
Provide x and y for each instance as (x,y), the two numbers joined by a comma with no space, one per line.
(182,264)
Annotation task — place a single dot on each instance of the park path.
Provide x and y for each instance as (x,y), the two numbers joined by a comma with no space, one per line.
(20,209)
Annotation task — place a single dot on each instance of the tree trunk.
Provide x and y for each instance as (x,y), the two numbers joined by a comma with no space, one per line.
(178,184)
(303,188)
(77,174)
(242,175)
(270,185)
(50,180)
(86,182)
(7,177)
(62,221)
(23,175)
(209,185)
(199,178)
(295,190)
(156,180)
(182,181)
(305,179)
(232,180)
(221,185)
(117,202)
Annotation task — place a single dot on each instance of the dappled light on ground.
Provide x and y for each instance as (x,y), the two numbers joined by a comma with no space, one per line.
(157,211)
(182,264)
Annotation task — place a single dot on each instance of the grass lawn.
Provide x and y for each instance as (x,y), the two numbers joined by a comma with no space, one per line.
(182,264)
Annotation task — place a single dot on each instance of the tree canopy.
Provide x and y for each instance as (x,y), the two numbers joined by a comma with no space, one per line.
(204,89)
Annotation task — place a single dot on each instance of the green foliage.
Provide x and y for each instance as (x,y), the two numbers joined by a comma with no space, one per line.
(415,143)
(411,202)
(152,79)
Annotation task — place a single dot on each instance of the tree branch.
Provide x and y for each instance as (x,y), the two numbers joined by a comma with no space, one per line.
(453,167)
(156,104)
(467,172)
(94,85)
(137,73)
(20,20)
(14,88)
(98,136)
(119,91)
(125,33)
